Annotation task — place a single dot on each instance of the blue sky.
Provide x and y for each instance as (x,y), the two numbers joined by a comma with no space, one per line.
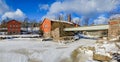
(96,11)
(29,7)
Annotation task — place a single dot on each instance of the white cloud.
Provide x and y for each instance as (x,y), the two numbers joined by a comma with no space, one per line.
(44,7)
(84,7)
(101,20)
(3,7)
(115,16)
(76,20)
(18,15)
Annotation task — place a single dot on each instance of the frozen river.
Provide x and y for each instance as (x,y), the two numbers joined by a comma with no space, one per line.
(34,50)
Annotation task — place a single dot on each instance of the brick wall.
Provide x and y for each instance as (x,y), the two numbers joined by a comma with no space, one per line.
(14,27)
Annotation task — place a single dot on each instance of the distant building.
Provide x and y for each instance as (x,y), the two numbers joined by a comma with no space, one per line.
(54,28)
(3,28)
(114,27)
(3,31)
(13,27)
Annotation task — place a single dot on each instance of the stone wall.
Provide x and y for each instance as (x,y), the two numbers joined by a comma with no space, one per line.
(114,28)
(55,34)
(47,35)
(57,30)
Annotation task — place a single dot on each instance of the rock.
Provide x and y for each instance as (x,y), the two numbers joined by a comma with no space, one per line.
(74,54)
(91,48)
(105,61)
(113,61)
(66,60)
(82,54)
(101,57)
(116,56)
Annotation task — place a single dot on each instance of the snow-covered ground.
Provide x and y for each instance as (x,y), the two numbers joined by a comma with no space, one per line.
(34,50)
(27,50)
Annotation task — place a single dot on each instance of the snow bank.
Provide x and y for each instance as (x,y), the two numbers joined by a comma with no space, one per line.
(37,51)
(85,55)
(12,57)
(106,48)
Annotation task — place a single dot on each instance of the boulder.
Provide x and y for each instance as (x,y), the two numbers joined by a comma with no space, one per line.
(101,57)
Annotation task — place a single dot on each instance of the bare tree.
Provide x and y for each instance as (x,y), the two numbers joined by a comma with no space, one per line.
(86,21)
(60,17)
(25,23)
(33,24)
(69,17)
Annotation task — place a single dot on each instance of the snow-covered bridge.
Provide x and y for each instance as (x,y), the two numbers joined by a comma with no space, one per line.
(88,28)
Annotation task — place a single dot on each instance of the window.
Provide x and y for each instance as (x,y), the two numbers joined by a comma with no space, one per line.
(13,25)
(10,25)
(16,25)
(16,30)
(45,26)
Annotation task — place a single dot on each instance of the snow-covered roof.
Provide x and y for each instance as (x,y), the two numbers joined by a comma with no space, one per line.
(88,28)
(61,21)
(14,20)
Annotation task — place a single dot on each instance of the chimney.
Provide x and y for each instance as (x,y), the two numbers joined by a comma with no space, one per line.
(69,17)
(60,17)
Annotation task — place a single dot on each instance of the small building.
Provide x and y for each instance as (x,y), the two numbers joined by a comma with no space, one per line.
(3,29)
(13,27)
(54,28)
(114,27)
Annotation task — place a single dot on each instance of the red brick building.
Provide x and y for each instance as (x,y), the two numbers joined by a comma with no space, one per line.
(14,27)
(54,28)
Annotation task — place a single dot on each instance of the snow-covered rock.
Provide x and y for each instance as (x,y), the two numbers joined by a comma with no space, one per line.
(101,57)
(82,54)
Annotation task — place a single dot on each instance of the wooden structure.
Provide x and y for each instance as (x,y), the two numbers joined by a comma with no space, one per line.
(13,27)
(54,28)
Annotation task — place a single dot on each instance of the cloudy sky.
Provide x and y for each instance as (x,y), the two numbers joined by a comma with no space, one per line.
(96,11)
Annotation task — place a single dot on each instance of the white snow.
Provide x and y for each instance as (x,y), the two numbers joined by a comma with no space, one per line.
(12,57)
(35,50)
(85,55)
(28,35)
(106,48)
(41,51)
